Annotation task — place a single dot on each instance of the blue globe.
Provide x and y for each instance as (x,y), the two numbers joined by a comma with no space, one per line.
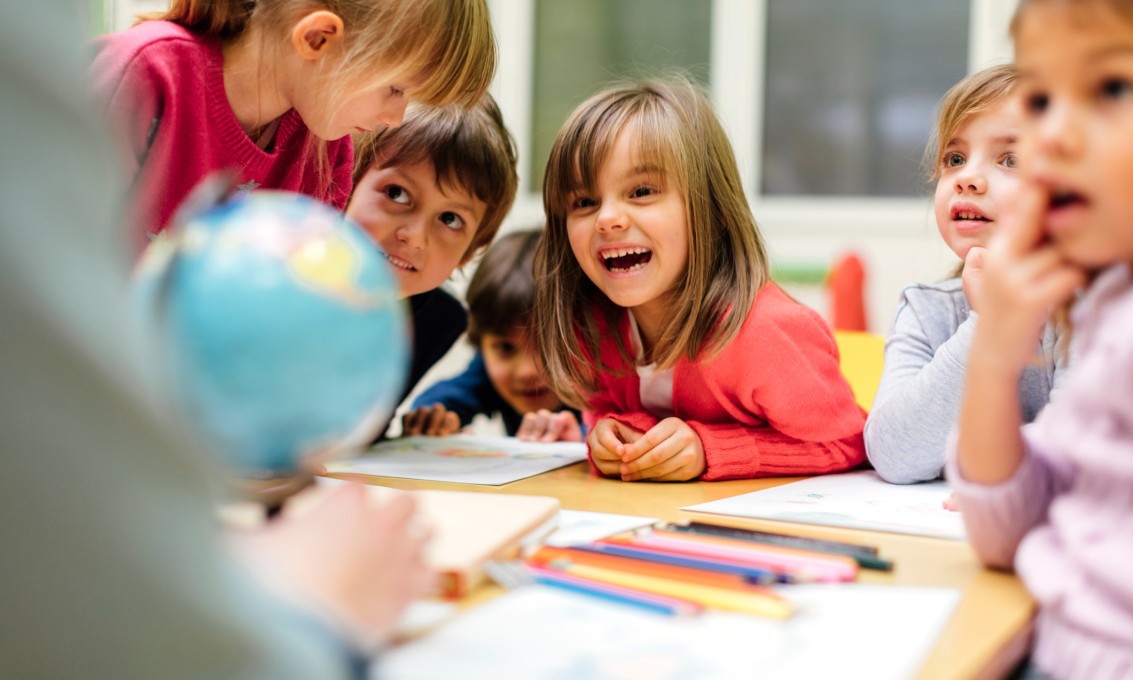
(282,325)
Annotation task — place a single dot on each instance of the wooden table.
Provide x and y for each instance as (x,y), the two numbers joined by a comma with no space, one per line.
(986,636)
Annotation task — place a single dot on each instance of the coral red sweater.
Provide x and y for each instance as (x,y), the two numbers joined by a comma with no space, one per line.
(162,89)
(772,402)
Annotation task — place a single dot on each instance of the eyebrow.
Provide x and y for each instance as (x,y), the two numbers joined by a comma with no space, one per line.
(1118,50)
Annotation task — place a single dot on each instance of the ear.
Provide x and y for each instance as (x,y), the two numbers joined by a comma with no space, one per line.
(314,34)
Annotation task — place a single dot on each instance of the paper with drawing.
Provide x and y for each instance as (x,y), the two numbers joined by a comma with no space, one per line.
(860,500)
(468,459)
(840,631)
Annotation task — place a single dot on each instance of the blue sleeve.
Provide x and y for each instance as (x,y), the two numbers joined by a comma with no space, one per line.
(466,395)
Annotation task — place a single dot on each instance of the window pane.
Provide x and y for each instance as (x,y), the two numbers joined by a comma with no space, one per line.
(851,92)
(581,45)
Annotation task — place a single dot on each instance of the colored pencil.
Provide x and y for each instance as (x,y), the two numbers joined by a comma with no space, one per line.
(815,566)
(555,557)
(770,605)
(749,573)
(866,556)
(660,604)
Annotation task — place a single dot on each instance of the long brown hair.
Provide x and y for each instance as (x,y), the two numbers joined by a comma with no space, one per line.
(727,263)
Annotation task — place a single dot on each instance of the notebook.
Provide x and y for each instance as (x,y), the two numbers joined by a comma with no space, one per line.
(470,528)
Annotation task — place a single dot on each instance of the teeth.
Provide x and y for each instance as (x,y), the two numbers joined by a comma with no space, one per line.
(622,252)
(399,263)
(969,216)
(639,265)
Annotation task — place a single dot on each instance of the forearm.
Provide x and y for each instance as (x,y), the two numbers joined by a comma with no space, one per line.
(735,451)
(989,445)
(916,407)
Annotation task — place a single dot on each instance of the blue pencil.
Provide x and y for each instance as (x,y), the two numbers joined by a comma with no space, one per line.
(654,603)
(752,574)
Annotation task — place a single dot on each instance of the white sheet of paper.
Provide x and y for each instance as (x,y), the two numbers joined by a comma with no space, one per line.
(577,527)
(860,500)
(840,631)
(468,459)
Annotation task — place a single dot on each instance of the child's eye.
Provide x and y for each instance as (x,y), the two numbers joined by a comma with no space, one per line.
(451,220)
(396,194)
(1009,160)
(643,191)
(953,160)
(1116,88)
(1036,103)
(582,202)
(396,91)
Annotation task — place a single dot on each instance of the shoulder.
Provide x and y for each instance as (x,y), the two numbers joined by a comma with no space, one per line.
(948,293)
(776,317)
(153,51)
(938,309)
(150,42)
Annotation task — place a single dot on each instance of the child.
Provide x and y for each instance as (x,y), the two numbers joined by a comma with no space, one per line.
(273,89)
(926,353)
(504,377)
(1055,499)
(654,309)
(432,193)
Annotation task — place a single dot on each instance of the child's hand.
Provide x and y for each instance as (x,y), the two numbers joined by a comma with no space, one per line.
(432,421)
(951,503)
(544,426)
(670,451)
(1024,278)
(972,278)
(604,440)
(346,556)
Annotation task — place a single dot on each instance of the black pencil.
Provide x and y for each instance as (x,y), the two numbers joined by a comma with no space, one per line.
(866,556)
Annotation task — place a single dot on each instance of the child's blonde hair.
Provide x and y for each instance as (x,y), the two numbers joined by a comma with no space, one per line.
(678,131)
(448,42)
(973,95)
(471,149)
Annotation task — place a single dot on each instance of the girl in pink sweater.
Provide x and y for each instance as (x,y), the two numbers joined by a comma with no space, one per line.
(273,89)
(1055,499)
(654,309)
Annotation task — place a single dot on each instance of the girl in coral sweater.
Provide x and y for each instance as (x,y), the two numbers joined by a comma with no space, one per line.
(655,313)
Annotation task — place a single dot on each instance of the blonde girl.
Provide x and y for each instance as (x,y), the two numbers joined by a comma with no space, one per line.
(273,89)
(654,310)
(1055,499)
(973,158)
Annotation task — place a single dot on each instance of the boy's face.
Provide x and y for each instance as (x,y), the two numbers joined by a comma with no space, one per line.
(1076,66)
(978,179)
(515,371)
(424,230)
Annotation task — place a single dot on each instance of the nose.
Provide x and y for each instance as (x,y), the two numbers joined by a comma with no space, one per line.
(1059,131)
(971,179)
(392,110)
(527,367)
(610,217)
(412,233)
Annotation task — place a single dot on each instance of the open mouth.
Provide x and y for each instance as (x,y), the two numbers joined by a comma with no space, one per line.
(1066,198)
(622,260)
(399,263)
(535,392)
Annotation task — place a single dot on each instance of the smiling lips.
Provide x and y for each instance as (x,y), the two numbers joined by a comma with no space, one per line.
(626,259)
(400,263)
(968,216)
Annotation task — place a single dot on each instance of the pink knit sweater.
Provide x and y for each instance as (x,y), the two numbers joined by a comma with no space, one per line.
(1065,519)
(162,89)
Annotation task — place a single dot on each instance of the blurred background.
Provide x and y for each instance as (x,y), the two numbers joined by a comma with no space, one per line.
(828,104)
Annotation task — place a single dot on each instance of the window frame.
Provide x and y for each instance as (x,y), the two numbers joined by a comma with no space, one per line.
(737,56)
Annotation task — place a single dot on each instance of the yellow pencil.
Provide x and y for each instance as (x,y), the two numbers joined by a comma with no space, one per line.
(770,604)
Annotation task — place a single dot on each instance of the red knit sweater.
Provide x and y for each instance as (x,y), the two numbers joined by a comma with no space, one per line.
(162,89)
(772,402)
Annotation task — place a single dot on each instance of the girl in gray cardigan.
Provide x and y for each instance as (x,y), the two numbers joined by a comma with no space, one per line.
(926,353)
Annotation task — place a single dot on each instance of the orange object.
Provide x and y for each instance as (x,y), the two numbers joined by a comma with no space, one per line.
(846,286)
